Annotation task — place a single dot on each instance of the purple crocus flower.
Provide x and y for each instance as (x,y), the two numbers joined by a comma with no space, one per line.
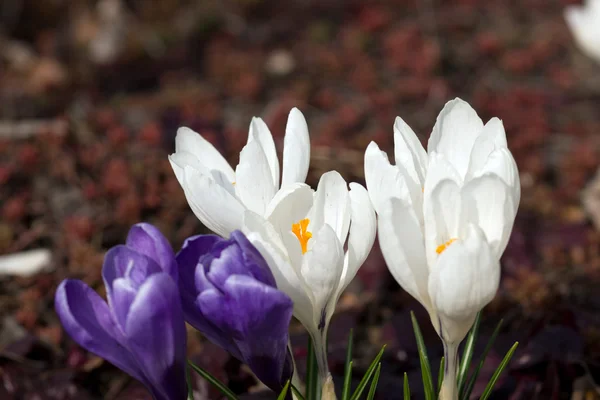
(229,294)
(141,330)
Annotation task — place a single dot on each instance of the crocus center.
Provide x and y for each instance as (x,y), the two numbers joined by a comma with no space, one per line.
(300,229)
(440,249)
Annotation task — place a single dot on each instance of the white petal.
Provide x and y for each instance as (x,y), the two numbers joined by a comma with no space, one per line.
(454,133)
(25,263)
(463,280)
(289,280)
(214,206)
(290,204)
(254,184)
(583,22)
(260,132)
(491,138)
(383,180)
(322,269)
(444,217)
(361,237)
(409,151)
(189,141)
(403,249)
(489,205)
(332,205)
(501,163)
(296,149)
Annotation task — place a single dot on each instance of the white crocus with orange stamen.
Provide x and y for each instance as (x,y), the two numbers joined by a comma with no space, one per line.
(302,237)
(445,217)
(217,194)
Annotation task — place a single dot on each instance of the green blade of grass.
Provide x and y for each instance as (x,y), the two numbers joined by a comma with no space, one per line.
(299,396)
(348,368)
(363,382)
(312,376)
(374,382)
(188,379)
(467,355)
(496,375)
(469,388)
(424,360)
(440,375)
(213,381)
(284,391)
(406,388)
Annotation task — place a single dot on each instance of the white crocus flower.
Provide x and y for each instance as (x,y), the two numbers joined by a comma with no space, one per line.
(445,217)
(302,237)
(584,23)
(217,194)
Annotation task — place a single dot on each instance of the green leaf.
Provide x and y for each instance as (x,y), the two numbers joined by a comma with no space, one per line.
(348,368)
(406,388)
(467,355)
(374,382)
(469,388)
(213,381)
(424,360)
(363,382)
(188,379)
(312,373)
(440,375)
(284,391)
(503,364)
(297,393)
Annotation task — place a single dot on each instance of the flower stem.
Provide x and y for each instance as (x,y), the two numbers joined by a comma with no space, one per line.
(320,348)
(449,389)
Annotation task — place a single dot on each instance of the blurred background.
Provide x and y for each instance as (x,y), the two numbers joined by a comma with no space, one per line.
(92,93)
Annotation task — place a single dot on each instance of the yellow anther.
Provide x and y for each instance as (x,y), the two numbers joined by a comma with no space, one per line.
(444,246)
(233,183)
(300,230)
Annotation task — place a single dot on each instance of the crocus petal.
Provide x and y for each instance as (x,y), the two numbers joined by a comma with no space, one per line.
(491,138)
(463,280)
(501,163)
(122,295)
(254,182)
(362,233)
(189,141)
(290,205)
(156,335)
(383,179)
(87,319)
(454,133)
(332,205)
(403,248)
(489,205)
(257,267)
(257,317)
(260,132)
(148,240)
(124,262)
(409,151)
(322,269)
(444,216)
(213,205)
(296,149)
(583,23)
(266,240)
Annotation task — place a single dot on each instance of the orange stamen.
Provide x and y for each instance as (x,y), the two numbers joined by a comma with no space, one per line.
(300,230)
(444,246)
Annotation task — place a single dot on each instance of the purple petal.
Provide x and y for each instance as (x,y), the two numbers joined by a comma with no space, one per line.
(124,262)
(155,333)
(122,296)
(254,261)
(86,318)
(257,317)
(148,240)
(192,253)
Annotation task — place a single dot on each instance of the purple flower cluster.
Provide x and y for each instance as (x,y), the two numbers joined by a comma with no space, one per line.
(222,287)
